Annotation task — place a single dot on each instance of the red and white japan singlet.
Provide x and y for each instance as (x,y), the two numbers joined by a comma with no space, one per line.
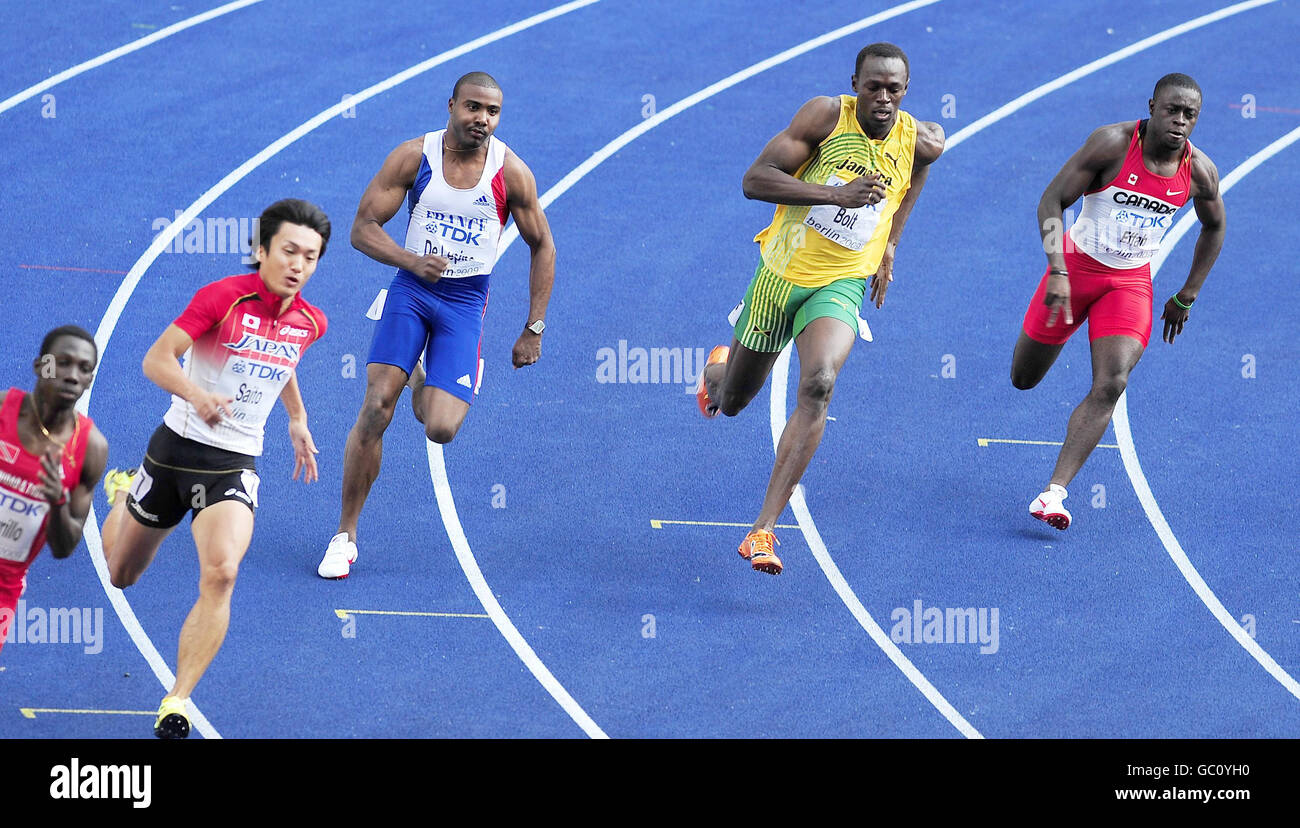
(243,348)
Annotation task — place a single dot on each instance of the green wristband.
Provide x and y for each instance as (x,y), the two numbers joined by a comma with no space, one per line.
(1179,303)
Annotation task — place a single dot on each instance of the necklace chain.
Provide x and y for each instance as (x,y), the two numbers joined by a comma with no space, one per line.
(453,149)
(37,413)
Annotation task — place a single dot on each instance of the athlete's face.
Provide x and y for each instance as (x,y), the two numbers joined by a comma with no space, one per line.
(474,116)
(65,373)
(880,85)
(291,259)
(1173,115)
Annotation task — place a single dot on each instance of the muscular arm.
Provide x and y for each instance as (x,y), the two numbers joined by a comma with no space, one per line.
(162,366)
(771,176)
(530,221)
(1103,149)
(68,520)
(1208,204)
(381,201)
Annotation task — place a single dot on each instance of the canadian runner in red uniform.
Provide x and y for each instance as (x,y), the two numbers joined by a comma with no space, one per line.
(50,459)
(242,338)
(1133,177)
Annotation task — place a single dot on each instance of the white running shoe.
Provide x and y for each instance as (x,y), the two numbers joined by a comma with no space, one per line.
(1048,508)
(339,557)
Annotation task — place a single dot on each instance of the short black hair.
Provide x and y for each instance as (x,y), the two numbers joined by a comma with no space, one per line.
(47,344)
(474,79)
(881,50)
(1178,81)
(293,211)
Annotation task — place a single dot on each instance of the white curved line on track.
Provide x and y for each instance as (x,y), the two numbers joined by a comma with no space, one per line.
(780,370)
(437,466)
(1100,63)
(460,544)
(127,616)
(135,45)
(165,237)
(798,504)
(1128,452)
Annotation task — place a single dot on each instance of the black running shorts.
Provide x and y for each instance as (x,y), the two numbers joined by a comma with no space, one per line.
(180,475)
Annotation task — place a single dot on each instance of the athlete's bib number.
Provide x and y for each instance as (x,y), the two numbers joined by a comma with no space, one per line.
(20,520)
(140,484)
(849,227)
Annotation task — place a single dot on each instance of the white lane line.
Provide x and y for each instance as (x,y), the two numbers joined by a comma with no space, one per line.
(135,45)
(707,92)
(166,236)
(114,312)
(459,543)
(776,416)
(1100,63)
(1128,451)
(124,611)
(437,465)
(780,371)
(600,156)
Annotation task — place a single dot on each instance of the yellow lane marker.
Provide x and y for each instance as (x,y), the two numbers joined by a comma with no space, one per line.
(984,442)
(344,613)
(659,524)
(30,712)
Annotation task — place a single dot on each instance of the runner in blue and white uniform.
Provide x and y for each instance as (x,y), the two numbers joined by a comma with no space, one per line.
(460,185)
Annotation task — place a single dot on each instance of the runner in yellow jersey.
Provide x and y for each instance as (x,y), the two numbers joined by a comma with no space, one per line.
(845,175)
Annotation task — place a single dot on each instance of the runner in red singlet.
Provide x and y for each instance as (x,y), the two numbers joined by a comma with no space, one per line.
(50,458)
(1133,177)
(241,338)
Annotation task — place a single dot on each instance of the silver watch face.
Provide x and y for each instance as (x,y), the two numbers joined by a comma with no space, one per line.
(537,327)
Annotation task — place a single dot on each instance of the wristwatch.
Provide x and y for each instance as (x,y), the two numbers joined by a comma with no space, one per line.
(536,327)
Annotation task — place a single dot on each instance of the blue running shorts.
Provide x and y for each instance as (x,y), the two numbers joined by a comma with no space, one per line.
(444,320)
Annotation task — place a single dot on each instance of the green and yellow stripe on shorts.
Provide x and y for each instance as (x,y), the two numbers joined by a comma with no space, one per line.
(776,310)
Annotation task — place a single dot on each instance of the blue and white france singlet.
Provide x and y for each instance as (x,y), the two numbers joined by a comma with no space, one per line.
(463,226)
(444,318)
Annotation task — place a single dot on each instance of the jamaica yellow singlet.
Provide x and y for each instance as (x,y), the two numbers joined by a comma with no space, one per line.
(814,246)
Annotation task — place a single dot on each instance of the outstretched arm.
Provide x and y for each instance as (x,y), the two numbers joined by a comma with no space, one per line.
(1208,203)
(771,176)
(929,146)
(526,209)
